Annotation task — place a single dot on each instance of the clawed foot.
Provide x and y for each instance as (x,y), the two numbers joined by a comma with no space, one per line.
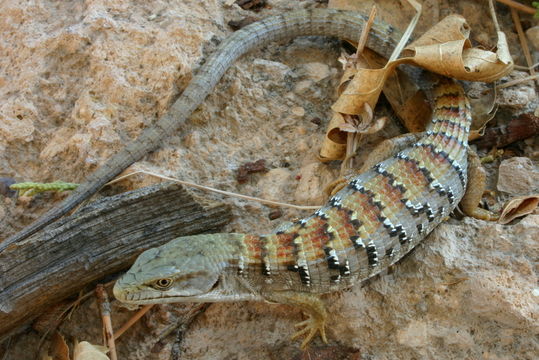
(309,328)
(312,305)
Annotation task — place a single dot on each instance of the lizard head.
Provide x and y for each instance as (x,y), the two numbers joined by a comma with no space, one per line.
(197,268)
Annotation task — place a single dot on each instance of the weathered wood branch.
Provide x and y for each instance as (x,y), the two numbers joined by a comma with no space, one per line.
(100,239)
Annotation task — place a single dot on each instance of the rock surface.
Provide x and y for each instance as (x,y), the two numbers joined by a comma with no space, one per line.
(79,79)
(518,176)
(533,36)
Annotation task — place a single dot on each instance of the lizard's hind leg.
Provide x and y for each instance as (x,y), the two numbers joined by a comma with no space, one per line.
(313,307)
(475,189)
(382,151)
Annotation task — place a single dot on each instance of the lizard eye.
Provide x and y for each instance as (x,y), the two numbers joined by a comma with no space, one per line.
(162,284)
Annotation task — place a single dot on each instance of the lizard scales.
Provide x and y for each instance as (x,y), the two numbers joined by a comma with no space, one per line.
(370,224)
(377,218)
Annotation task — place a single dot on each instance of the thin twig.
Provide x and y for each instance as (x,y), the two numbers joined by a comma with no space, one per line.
(67,313)
(365,32)
(406,36)
(104,309)
(522,38)
(518,6)
(132,320)
(526,68)
(517,81)
(207,188)
(493,15)
(353,139)
(76,302)
(8,344)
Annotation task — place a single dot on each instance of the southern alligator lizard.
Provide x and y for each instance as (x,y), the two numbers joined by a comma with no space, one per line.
(335,23)
(372,222)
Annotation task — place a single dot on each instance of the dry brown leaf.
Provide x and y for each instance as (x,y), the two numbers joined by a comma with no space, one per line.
(474,135)
(517,207)
(451,28)
(86,351)
(364,88)
(359,93)
(483,106)
(405,97)
(445,49)
(58,349)
(334,145)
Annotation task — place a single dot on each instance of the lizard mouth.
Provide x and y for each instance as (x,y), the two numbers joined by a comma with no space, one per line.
(153,296)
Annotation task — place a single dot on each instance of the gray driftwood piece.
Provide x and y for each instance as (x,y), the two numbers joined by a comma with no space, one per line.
(100,239)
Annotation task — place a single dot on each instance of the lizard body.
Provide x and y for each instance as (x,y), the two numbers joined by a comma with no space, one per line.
(378,217)
(335,23)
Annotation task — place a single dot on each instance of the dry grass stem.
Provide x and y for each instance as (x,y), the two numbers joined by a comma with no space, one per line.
(493,15)
(104,309)
(227,193)
(526,68)
(406,36)
(353,139)
(132,320)
(517,81)
(518,6)
(365,32)
(523,40)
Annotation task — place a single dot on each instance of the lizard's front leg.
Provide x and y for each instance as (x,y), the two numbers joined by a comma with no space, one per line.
(313,307)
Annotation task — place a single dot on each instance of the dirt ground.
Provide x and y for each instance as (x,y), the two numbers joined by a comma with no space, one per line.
(79,79)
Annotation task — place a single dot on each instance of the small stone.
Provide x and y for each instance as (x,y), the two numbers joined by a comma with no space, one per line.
(273,70)
(302,86)
(517,96)
(317,121)
(317,71)
(244,170)
(238,24)
(533,35)
(274,184)
(518,176)
(413,335)
(17,118)
(275,214)
(313,178)
(298,111)
(236,87)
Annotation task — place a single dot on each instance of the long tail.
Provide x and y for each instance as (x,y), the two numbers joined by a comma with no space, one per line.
(447,134)
(326,22)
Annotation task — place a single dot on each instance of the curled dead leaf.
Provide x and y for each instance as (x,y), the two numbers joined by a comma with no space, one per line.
(517,207)
(86,351)
(58,349)
(445,49)
(334,145)
(482,98)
